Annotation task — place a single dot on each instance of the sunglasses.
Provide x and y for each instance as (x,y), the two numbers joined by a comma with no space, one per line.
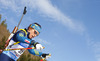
(35,32)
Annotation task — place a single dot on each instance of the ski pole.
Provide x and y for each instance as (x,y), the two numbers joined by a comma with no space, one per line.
(18,49)
(15,29)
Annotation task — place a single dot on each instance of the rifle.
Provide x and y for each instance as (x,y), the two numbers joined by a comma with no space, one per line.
(15,29)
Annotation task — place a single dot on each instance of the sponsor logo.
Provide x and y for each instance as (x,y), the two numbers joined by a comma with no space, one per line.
(21,35)
(27,41)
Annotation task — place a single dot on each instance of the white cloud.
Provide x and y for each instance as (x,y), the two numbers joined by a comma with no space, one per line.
(95,46)
(8,4)
(51,11)
(46,8)
(42,41)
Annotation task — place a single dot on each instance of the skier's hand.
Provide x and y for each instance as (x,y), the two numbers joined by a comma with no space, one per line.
(46,56)
(39,46)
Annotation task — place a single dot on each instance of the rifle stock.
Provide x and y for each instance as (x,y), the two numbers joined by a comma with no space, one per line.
(11,35)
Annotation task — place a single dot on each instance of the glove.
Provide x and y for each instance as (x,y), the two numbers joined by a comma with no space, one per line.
(36,45)
(39,46)
(46,56)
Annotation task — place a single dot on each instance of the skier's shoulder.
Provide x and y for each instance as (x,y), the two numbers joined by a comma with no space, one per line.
(22,31)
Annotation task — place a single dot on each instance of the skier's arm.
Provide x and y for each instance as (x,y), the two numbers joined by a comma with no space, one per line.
(34,52)
(20,36)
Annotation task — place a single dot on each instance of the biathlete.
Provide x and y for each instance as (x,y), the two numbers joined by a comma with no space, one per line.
(24,36)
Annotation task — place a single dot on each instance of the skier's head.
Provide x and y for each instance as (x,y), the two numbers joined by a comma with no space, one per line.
(34,30)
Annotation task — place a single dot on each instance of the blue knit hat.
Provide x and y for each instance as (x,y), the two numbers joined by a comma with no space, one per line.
(36,27)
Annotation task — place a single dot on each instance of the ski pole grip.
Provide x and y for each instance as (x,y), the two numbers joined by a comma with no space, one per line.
(24,10)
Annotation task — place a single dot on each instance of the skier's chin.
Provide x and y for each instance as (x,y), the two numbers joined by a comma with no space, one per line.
(31,37)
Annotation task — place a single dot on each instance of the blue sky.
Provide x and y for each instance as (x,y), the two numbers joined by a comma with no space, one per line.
(70,28)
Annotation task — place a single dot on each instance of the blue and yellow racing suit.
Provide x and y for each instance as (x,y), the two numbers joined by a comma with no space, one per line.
(22,37)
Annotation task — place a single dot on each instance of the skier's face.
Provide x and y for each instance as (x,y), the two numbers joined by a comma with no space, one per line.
(33,33)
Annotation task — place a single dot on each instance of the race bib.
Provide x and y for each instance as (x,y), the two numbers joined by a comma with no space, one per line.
(15,54)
